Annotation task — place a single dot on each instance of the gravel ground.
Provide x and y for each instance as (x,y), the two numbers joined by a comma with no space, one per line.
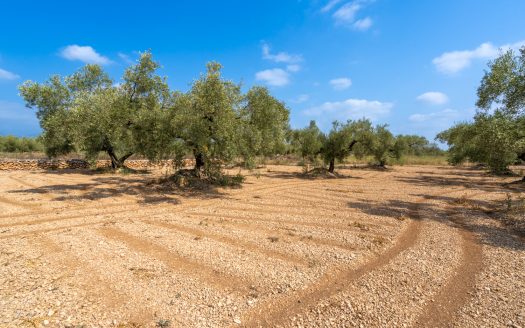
(406,247)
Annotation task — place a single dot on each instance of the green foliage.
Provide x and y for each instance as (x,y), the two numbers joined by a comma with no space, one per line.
(12,144)
(491,139)
(87,112)
(503,86)
(414,145)
(382,145)
(308,141)
(214,121)
(352,137)
(263,125)
(496,137)
(206,121)
(358,139)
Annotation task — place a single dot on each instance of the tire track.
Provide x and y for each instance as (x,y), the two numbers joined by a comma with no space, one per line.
(457,291)
(318,225)
(278,312)
(90,281)
(16,203)
(276,208)
(230,241)
(285,234)
(220,280)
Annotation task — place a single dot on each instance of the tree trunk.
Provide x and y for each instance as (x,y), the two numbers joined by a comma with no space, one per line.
(351,145)
(199,161)
(331,167)
(117,163)
(124,158)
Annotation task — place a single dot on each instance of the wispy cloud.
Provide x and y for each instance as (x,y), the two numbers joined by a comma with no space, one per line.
(430,124)
(331,4)
(433,97)
(347,14)
(84,54)
(280,57)
(454,61)
(341,83)
(351,109)
(6,75)
(276,77)
(363,24)
(293,68)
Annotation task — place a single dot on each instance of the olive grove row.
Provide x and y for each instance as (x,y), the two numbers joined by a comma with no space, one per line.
(214,122)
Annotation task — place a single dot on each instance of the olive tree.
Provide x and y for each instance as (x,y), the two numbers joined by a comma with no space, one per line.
(491,139)
(417,145)
(308,142)
(87,112)
(263,123)
(52,100)
(383,146)
(496,137)
(344,139)
(206,121)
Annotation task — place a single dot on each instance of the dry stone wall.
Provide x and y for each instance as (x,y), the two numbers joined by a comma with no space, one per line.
(58,164)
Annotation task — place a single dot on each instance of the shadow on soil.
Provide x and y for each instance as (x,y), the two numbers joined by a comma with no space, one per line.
(144,188)
(454,209)
(276,174)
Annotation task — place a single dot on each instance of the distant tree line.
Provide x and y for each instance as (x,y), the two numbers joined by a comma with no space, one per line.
(496,137)
(214,122)
(359,138)
(12,144)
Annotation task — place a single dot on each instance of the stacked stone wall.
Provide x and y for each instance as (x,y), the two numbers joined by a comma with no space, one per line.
(59,164)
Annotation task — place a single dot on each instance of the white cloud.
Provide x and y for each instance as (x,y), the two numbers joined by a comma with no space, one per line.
(455,61)
(293,68)
(352,109)
(433,97)
(331,4)
(281,57)
(6,75)
(341,83)
(346,14)
(430,124)
(84,54)
(448,115)
(363,24)
(275,77)
(301,99)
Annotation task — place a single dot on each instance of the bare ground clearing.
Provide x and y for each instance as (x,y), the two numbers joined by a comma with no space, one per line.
(412,246)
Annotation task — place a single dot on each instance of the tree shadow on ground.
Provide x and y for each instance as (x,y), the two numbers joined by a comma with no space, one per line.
(274,174)
(453,181)
(144,189)
(453,208)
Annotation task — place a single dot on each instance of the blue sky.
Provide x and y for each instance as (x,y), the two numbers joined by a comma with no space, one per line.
(415,65)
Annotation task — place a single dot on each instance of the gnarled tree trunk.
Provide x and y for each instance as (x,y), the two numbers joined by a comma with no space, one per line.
(117,163)
(199,161)
(331,167)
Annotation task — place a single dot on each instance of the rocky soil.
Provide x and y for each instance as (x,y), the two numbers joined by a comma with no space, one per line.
(413,246)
